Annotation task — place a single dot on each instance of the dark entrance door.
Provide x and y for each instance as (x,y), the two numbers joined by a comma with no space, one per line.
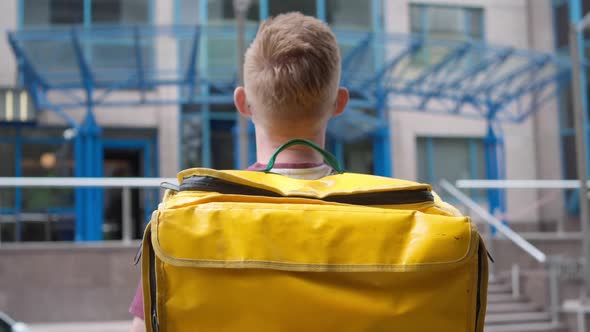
(121,163)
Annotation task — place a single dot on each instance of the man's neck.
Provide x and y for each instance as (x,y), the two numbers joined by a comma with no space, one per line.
(266,145)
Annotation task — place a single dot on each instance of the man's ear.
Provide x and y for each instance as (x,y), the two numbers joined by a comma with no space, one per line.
(241,103)
(341,101)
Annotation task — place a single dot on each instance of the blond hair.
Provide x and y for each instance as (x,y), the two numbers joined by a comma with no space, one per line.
(292,68)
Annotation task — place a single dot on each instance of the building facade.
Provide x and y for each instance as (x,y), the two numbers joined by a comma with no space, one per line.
(159,140)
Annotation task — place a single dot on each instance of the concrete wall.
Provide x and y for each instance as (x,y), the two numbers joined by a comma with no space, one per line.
(546,119)
(7,23)
(67,282)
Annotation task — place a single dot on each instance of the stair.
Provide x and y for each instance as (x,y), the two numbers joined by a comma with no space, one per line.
(507,314)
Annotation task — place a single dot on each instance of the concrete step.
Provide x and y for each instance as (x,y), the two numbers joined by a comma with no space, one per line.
(510,307)
(502,298)
(511,318)
(498,281)
(526,327)
(499,288)
(114,326)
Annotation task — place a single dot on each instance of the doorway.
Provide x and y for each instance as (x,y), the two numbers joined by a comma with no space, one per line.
(128,158)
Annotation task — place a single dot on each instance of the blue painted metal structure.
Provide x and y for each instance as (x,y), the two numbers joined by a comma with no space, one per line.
(471,79)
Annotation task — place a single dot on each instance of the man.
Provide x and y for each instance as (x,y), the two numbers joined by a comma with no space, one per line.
(291,90)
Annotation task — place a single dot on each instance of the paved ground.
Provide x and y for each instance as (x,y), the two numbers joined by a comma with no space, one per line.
(122,326)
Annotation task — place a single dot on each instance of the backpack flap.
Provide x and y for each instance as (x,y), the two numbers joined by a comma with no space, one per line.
(224,262)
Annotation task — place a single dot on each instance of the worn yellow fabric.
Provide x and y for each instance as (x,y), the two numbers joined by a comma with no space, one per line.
(229,262)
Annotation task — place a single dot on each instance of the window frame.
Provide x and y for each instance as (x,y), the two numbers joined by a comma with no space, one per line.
(474,162)
(467,12)
(87,19)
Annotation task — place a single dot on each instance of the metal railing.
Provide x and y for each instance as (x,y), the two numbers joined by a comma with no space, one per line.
(123,183)
(539,256)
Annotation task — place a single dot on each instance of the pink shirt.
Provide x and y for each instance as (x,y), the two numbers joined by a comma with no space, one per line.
(291,170)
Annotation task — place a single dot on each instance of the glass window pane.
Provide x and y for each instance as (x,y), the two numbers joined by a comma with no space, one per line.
(480,160)
(446,23)
(120,12)
(568,146)
(561,19)
(42,160)
(451,160)
(41,13)
(7,151)
(416,25)
(191,143)
(221,50)
(188,11)
(307,7)
(422,160)
(358,156)
(222,144)
(349,14)
(475,24)
(221,12)
(451,157)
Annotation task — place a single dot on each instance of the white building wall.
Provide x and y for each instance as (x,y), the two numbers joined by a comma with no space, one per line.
(8,22)
(167,117)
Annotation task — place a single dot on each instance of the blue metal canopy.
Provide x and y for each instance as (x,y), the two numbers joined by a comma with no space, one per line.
(466,78)
(126,65)
(457,77)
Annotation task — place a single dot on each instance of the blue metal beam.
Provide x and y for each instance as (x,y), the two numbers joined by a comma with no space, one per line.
(486,65)
(24,60)
(191,72)
(388,66)
(139,59)
(494,155)
(451,57)
(85,73)
(351,58)
(534,64)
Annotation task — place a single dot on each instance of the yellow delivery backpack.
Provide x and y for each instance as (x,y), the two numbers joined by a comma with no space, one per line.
(257,251)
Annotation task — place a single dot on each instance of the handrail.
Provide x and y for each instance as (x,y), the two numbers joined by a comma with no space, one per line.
(518,240)
(519,184)
(123,183)
(71,182)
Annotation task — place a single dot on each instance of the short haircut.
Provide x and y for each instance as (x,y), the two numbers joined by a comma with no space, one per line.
(292,68)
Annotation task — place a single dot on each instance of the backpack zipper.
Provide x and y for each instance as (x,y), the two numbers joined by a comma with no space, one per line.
(153,308)
(479,276)
(393,197)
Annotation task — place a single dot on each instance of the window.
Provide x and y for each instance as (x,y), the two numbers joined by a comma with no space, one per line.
(191,140)
(349,14)
(120,12)
(444,23)
(561,20)
(188,12)
(42,13)
(7,169)
(450,159)
(448,23)
(221,135)
(103,52)
(221,50)
(222,144)
(307,7)
(221,12)
(358,156)
(47,160)
(45,13)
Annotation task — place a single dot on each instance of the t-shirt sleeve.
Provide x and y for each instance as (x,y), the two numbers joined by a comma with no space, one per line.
(136,308)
